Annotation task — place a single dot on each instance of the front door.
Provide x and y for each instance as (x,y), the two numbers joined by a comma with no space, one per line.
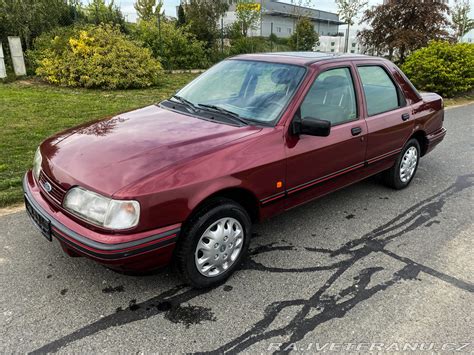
(318,165)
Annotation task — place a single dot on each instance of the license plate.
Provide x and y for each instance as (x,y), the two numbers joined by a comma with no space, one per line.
(42,223)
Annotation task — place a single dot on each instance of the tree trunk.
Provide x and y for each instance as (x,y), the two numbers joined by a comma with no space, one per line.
(402,54)
(346,42)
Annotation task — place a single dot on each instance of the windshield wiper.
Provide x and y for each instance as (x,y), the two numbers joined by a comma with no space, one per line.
(185,102)
(229,113)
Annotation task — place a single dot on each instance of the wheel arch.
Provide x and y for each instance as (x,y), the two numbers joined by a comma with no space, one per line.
(240,195)
(420,136)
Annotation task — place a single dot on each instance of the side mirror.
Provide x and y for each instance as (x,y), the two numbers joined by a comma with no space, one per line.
(311,126)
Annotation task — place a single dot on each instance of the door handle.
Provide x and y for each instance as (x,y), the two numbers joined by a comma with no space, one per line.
(356,130)
(405,116)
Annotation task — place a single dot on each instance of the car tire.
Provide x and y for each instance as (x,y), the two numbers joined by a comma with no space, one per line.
(402,172)
(212,234)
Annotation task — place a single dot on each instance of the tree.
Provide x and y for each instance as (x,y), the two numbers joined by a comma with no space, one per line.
(145,9)
(300,8)
(233,31)
(148,9)
(177,48)
(97,12)
(347,11)
(461,23)
(248,15)
(304,38)
(29,18)
(402,26)
(181,16)
(203,17)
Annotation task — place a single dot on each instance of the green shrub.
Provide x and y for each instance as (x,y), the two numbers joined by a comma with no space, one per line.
(281,40)
(244,45)
(178,48)
(442,67)
(95,57)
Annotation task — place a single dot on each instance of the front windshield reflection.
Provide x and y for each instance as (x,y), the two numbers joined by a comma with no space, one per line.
(258,91)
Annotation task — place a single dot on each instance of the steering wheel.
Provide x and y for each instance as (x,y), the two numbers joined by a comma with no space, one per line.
(273,99)
(276,103)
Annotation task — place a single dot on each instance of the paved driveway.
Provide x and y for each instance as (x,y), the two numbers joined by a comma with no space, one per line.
(366,267)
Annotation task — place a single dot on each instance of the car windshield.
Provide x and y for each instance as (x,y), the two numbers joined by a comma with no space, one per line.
(254,91)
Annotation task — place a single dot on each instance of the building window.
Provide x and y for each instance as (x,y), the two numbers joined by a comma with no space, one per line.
(289,30)
(332,50)
(353,51)
(333,44)
(279,29)
(353,44)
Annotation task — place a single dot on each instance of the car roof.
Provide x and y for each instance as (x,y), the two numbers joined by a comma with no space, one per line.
(301,58)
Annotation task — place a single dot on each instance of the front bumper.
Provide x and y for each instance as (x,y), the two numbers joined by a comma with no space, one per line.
(132,252)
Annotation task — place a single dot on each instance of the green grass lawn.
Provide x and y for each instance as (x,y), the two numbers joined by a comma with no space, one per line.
(31,111)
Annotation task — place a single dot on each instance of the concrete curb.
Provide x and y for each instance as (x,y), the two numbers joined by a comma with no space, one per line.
(461,105)
(10,210)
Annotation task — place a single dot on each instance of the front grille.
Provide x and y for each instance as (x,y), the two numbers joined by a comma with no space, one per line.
(57,192)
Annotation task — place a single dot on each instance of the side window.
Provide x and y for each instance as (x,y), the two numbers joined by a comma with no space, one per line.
(380,91)
(331,97)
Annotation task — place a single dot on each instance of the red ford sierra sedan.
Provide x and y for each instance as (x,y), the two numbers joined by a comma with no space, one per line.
(255,135)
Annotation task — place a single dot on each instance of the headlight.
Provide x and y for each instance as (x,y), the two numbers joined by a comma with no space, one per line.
(102,211)
(37,164)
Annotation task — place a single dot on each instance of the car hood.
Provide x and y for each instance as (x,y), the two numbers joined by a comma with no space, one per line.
(110,154)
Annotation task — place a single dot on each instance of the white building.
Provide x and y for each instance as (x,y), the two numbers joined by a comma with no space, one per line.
(335,44)
(280,18)
(468,37)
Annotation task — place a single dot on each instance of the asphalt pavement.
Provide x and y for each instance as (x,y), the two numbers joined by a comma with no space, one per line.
(364,269)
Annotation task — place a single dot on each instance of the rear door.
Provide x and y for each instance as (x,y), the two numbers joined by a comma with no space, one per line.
(387,114)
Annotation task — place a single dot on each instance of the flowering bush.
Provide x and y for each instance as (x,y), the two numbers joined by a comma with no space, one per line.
(96,57)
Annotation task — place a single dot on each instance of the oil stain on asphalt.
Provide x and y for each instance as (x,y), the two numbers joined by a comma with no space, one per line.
(176,313)
(110,289)
(189,315)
